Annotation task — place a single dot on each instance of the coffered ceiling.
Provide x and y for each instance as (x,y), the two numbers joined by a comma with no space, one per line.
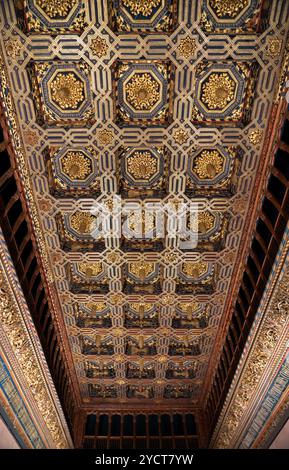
(162,101)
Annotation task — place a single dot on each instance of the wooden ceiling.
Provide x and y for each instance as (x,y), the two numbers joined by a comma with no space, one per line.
(157,101)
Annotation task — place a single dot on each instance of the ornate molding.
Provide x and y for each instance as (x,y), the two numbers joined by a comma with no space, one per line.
(275,424)
(264,349)
(269,406)
(16,323)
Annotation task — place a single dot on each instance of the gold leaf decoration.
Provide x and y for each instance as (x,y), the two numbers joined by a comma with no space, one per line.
(141,7)
(76,165)
(67,90)
(82,222)
(187,47)
(204,222)
(229,8)
(208,164)
(141,270)
(218,91)
(56,8)
(194,270)
(142,91)
(142,165)
(90,269)
(99,46)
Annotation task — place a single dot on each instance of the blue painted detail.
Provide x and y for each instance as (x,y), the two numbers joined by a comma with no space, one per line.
(20,411)
(278,386)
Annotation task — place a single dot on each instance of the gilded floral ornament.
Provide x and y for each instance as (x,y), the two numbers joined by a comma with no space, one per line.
(45,205)
(203,223)
(82,222)
(96,306)
(194,270)
(24,349)
(188,308)
(229,257)
(65,298)
(105,136)
(168,299)
(143,224)
(118,332)
(141,270)
(218,91)
(170,257)
(219,298)
(141,7)
(76,165)
(56,8)
(13,47)
(113,257)
(142,91)
(99,46)
(240,204)
(187,47)
(31,137)
(228,8)
(256,136)
(90,269)
(142,165)
(273,47)
(115,298)
(162,359)
(208,164)
(141,307)
(67,90)
(180,135)
(264,347)
(164,331)
(119,358)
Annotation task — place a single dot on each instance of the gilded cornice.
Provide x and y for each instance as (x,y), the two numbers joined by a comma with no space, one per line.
(276,422)
(16,324)
(264,349)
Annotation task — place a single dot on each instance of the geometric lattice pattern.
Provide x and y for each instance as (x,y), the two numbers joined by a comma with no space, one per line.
(153,101)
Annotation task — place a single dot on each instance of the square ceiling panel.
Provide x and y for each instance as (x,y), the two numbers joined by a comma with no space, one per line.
(87,277)
(142,277)
(72,171)
(196,278)
(62,93)
(58,17)
(79,232)
(143,92)
(224,92)
(234,16)
(93,315)
(213,171)
(143,171)
(155,16)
